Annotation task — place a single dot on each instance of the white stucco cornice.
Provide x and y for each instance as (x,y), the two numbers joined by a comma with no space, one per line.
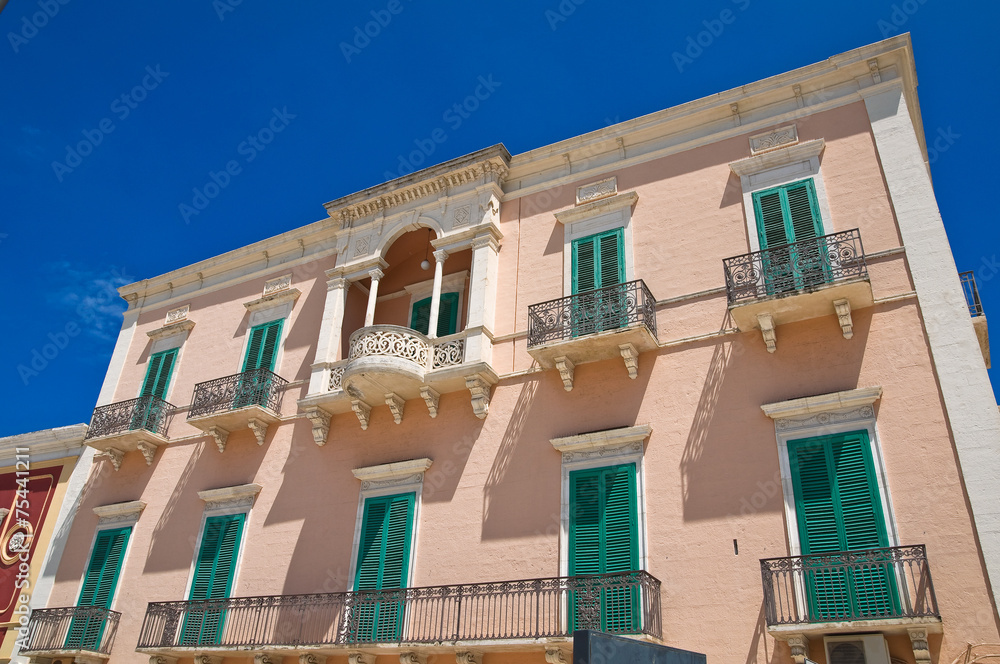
(127,512)
(170,330)
(603,206)
(823,403)
(45,444)
(388,471)
(242,495)
(597,440)
(273,300)
(778,157)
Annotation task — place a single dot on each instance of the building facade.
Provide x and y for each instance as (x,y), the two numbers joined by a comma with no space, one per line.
(705,378)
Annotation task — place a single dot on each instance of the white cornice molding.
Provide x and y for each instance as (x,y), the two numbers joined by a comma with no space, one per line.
(242,495)
(388,471)
(45,445)
(777,157)
(608,439)
(823,403)
(273,300)
(170,330)
(120,513)
(603,206)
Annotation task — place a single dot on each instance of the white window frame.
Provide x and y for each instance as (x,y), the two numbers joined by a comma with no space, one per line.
(779,167)
(266,310)
(601,449)
(605,214)
(113,517)
(389,479)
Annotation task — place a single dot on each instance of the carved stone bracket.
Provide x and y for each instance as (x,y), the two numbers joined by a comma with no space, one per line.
(207,659)
(360,658)
(767,329)
(320,421)
(310,658)
(556,656)
(468,657)
(799,645)
(221,436)
(114,455)
(259,429)
(396,404)
(631,357)
(162,659)
(480,390)
(918,641)
(265,658)
(431,398)
(363,411)
(565,367)
(843,309)
(412,658)
(148,449)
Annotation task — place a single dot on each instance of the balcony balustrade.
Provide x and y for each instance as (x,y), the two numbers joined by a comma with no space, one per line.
(249,399)
(482,613)
(793,282)
(594,325)
(136,424)
(976,311)
(872,586)
(77,630)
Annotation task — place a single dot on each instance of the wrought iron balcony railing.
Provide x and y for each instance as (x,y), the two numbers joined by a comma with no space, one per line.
(145,413)
(257,387)
(89,628)
(625,603)
(870,584)
(590,312)
(971,293)
(796,267)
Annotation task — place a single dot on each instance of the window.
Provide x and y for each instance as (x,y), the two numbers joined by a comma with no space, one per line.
(213,578)
(589,221)
(788,223)
(99,583)
(598,261)
(383,563)
(149,410)
(263,346)
(447,315)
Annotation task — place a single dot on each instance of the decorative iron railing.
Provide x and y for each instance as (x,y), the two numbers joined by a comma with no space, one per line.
(971,293)
(870,584)
(145,413)
(257,387)
(625,603)
(796,267)
(591,312)
(89,628)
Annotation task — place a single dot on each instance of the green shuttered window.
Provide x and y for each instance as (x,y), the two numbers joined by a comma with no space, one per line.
(263,346)
(598,261)
(158,371)
(603,537)
(99,583)
(383,562)
(213,577)
(420,318)
(789,213)
(838,509)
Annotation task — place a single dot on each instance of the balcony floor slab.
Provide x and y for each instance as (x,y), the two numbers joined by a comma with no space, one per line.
(238,418)
(884,625)
(799,305)
(594,347)
(126,441)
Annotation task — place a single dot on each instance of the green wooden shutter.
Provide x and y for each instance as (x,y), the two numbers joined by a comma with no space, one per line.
(213,577)
(383,562)
(584,265)
(786,214)
(612,266)
(99,583)
(420,318)
(158,372)
(803,211)
(598,261)
(770,219)
(447,314)
(263,346)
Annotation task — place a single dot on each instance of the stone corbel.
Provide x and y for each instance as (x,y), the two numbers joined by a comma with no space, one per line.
(162,659)
(412,658)
(207,659)
(363,411)
(431,398)
(480,389)
(799,645)
(310,658)
(114,455)
(360,658)
(918,641)
(221,436)
(259,429)
(767,330)
(468,657)
(265,658)
(843,309)
(88,659)
(565,367)
(320,421)
(557,656)
(148,449)
(396,404)
(631,357)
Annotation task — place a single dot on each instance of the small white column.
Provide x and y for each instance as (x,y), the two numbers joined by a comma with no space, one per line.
(376,275)
(482,298)
(329,333)
(432,326)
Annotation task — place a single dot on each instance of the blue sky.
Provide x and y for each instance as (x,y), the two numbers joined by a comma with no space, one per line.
(164,94)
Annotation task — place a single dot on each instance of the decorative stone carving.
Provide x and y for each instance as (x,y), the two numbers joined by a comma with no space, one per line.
(767,330)
(799,645)
(469,657)
(363,411)
(162,659)
(390,342)
(265,658)
(823,419)
(320,421)
(207,659)
(431,398)
(557,656)
(114,455)
(460,217)
(597,190)
(273,299)
(843,309)
(277,284)
(396,404)
(918,641)
(360,658)
(119,512)
(310,658)
(631,357)
(565,367)
(603,453)
(822,403)
(449,353)
(177,315)
(361,246)
(259,429)
(873,68)
(221,436)
(735,110)
(776,138)
(148,450)
(230,497)
(412,658)
(608,443)
(480,390)
(336,378)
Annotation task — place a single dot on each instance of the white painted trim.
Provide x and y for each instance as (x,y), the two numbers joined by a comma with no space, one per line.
(169,330)
(603,215)
(220,500)
(44,445)
(823,403)
(210,511)
(120,514)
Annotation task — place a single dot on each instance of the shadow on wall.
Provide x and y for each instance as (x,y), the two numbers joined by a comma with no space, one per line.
(302,335)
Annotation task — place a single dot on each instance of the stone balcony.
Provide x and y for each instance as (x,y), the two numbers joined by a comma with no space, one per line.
(251,399)
(125,426)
